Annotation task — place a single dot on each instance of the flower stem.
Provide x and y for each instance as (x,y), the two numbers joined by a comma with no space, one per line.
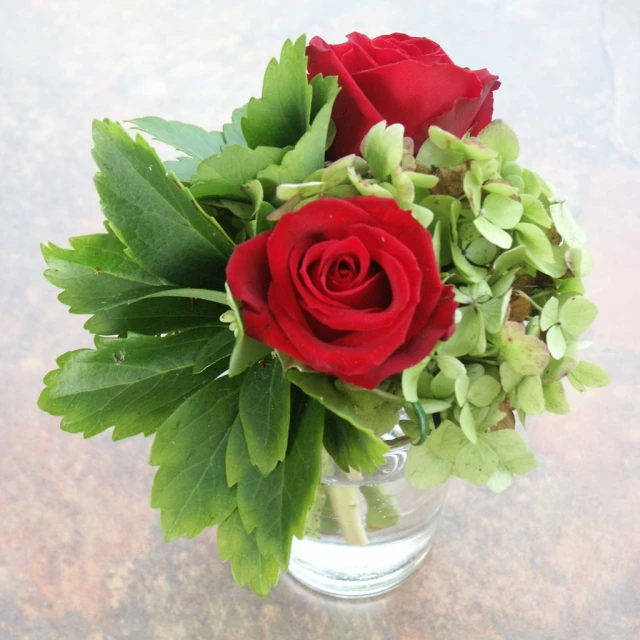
(345,500)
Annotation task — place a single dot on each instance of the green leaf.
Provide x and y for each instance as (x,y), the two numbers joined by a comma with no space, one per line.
(566,225)
(233,131)
(532,185)
(461,388)
(442,386)
(96,272)
(509,377)
(527,355)
(434,406)
(500,480)
(493,233)
(558,369)
(318,386)
(447,440)
(382,148)
(535,240)
(219,347)
(190,487)
(308,153)
(549,315)
(529,395)
(132,383)
(590,375)
(424,469)
(224,175)
(468,423)
(382,510)
(246,350)
(576,316)
(410,379)
(502,211)
(145,207)
(481,251)
(236,459)
(466,269)
(511,449)
(471,186)
(451,367)
(500,137)
(465,337)
(535,212)
(275,506)
(555,398)
(247,563)
(483,391)
(352,447)
(265,401)
(509,259)
(495,312)
(476,462)
(556,342)
(579,261)
(281,116)
(184,168)
(155,316)
(188,138)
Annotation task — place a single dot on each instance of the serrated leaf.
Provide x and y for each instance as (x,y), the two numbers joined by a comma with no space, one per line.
(476,462)
(493,233)
(308,153)
(236,460)
(233,131)
(576,316)
(190,487)
(590,375)
(225,174)
(144,207)
(447,440)
(352,447)
(529,395)
(265,401)
(247,563)
(188,138)
(424,469)
(281,116)
(500,137)
(483,391)
(132,384)
(219,347)
(275,506)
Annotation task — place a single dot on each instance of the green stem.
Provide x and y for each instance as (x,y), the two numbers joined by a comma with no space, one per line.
(534,304)
(345,500)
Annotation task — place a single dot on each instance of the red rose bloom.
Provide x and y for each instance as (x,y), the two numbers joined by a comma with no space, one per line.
(349,287)
(403,80)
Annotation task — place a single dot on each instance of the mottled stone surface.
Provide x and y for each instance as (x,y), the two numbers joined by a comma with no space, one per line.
(81,554)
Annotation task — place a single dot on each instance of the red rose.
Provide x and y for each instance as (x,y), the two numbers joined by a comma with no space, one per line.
(349,287)
(400,79)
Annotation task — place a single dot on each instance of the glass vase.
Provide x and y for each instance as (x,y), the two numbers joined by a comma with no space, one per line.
(366,534)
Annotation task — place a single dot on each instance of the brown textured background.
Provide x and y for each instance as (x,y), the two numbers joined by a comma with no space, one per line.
(81,554)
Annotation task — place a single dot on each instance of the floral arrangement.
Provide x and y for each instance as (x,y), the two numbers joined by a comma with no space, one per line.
(357,252)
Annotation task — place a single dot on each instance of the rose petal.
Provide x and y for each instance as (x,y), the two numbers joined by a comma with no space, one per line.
(413,93)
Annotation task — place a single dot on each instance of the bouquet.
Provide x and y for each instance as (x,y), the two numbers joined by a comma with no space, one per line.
(357,252)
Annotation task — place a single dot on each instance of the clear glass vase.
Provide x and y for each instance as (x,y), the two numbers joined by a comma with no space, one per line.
(366,534)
